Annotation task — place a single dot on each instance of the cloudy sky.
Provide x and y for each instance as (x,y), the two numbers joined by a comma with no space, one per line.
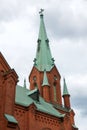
(66,25)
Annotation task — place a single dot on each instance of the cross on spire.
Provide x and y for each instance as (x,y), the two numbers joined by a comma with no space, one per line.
(41,11)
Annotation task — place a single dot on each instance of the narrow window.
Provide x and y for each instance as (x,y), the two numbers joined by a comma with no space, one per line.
(35,85)
(54,87)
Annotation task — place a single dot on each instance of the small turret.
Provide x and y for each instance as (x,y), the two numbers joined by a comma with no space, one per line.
(66,95)
(45,86)
(24,83)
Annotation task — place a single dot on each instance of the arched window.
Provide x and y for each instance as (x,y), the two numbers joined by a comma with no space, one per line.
(34,80)
(35,85)
(54,89)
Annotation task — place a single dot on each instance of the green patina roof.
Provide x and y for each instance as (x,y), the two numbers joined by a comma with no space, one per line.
(32,91)
(48,108)
(45,79)
(61,107)
(65,90)
(10,118)
(43,58)
(22,98)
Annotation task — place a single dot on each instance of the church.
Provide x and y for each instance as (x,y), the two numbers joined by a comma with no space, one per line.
(41,107)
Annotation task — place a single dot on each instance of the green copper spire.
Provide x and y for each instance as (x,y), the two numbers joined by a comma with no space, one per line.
(43,58)
(45,80)
(24,83)
(65,90)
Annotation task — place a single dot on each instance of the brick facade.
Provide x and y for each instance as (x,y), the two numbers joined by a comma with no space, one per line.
(29,118)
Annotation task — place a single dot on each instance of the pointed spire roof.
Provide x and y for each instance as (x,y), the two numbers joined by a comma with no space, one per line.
(65,90)
(43,58)
(45,80)
(24,83)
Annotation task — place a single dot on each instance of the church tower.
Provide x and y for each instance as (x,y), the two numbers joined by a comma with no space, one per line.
(66,95)
(45,80)
(44,74)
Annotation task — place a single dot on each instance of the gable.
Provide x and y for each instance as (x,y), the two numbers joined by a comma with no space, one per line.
(3,64)
(55,72)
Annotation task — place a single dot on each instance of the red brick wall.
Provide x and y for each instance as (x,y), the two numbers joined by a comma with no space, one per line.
(21,114)
(9,95)
(67,101)
(1,97)
(42,121)
(51,79)
(8,80)
(46,94)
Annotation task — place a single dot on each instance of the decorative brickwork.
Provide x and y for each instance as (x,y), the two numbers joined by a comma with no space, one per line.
(20,116)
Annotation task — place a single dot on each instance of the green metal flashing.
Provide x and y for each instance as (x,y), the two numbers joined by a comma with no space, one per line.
(43,58)
(32,91)
(45,80)
(59,107)
(65,90)
(10,118)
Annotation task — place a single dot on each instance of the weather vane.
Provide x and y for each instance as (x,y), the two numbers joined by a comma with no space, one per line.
(41,11)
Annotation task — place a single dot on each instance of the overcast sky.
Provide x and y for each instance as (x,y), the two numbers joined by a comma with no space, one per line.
(66,26)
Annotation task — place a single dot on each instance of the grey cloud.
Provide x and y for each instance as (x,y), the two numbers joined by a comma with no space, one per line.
(68,29)
(79,103)
(11,9)
(71,56)
(63,22)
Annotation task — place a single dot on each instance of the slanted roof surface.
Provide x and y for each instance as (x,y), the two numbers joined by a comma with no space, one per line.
(48,108)
(10,118)
(65,89)
(22,98)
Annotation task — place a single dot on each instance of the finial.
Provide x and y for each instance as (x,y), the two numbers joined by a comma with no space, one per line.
(35,61)
(64,79)
(41,11)
(24,83)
